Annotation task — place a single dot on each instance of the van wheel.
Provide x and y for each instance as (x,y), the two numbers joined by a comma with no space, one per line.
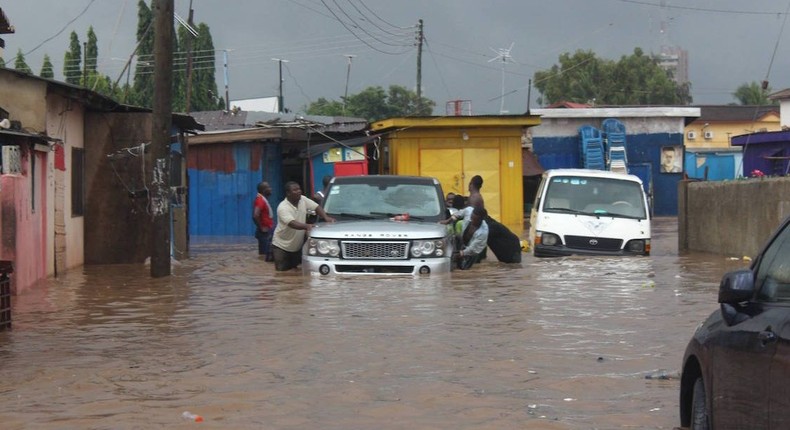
(699,412)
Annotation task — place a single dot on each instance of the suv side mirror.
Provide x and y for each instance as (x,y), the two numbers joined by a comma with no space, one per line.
(736,287)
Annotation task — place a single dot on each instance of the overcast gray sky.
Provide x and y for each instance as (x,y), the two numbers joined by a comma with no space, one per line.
(729,42)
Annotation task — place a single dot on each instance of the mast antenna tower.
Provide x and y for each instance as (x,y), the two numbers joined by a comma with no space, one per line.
(503,56)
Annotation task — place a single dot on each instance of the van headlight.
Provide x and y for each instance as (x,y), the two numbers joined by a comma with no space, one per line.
(638,246)
(548,239)
(428,248)
(323,247)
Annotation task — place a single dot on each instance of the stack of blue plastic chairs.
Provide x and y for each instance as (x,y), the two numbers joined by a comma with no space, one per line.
(592,150)
(616,158)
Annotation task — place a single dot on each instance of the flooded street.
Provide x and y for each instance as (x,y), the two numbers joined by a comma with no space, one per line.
(547,344)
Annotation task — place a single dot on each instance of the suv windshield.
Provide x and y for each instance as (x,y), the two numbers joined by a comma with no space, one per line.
(381,200)
(595,196)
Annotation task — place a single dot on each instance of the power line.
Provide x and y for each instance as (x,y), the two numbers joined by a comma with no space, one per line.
(364,17)
(438,70)
(700,9)
(356,25)
(381,19)
(62,29)
(357,36)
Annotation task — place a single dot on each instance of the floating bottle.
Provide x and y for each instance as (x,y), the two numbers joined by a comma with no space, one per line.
(192,417)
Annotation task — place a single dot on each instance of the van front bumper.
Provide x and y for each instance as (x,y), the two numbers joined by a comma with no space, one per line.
(564,251)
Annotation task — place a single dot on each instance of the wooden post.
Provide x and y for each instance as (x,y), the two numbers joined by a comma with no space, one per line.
(160,138)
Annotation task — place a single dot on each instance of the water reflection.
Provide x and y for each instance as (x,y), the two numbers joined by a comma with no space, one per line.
(561,343)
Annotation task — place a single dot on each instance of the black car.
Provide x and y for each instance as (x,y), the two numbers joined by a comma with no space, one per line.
(736,369)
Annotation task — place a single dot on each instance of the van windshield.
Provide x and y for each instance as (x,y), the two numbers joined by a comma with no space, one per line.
(595,196)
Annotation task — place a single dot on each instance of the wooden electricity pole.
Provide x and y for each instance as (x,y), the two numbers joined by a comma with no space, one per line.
(189,58)
(420,38)
(159,193)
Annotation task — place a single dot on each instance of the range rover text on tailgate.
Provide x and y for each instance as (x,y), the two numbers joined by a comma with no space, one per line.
(385,225)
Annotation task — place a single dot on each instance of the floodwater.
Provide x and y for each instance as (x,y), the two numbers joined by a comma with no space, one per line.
(547,344)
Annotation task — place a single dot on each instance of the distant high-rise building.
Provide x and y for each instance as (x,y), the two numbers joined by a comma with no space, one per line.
(676,61)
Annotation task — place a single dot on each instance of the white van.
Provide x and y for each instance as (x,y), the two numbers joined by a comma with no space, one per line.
(589,212)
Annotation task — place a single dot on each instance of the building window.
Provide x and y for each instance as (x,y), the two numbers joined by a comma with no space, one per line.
(77,181)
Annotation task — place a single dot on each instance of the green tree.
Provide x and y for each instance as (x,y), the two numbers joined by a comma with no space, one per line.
(47,70)
(582,77)
(753,94)
(91,51)
(20,64)
(72,61)
(143,88)
(373,103)
(325,107)
(204,81)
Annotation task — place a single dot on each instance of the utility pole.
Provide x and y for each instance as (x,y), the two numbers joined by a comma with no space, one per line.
(419,64)
(529,95)
(227,98)
(348,73)
(159,194)
(189,57)
(85,64)
(280,100)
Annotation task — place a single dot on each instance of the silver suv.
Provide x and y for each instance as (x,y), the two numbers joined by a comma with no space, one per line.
(385,225)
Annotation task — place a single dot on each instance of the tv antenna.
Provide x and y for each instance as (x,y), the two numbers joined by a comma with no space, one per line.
(503,55)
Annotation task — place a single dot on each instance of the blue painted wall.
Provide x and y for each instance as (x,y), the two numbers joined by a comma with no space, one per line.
(223,182)
(644,155)
(720,166)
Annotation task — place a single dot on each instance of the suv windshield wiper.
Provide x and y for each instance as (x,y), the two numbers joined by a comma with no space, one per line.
(355,216)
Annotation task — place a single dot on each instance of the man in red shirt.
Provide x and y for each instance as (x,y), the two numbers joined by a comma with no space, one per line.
(262,216)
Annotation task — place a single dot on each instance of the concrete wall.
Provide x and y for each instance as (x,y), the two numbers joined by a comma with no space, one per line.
(117,223)
(65,121)
(732,218)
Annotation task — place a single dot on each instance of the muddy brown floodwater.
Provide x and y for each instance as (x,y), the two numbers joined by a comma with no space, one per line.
(547,344)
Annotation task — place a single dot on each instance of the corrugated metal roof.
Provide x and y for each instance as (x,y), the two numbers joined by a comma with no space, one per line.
(217,120)
(94,101)
(780,95)
(763,137)
(735,113)
(621,112)
(239,119)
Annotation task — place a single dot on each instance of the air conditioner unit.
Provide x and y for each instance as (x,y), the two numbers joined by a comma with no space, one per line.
(691,135)
(708,135)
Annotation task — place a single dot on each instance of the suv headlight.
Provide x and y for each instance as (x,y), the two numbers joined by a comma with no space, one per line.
(324,247)
(428,248)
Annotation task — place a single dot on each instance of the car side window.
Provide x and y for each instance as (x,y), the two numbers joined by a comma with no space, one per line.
(773,272)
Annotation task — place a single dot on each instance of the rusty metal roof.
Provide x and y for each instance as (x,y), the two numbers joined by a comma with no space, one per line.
(239,119)
(735,113)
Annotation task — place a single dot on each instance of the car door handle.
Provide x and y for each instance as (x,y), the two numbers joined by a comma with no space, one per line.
(767,337)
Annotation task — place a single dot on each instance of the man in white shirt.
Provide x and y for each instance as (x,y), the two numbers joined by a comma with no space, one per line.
(292,227)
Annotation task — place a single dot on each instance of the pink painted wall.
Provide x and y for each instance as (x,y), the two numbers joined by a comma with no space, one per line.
(23,222)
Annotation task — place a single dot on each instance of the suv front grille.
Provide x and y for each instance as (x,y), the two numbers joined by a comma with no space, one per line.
(360,250)
(593,243)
